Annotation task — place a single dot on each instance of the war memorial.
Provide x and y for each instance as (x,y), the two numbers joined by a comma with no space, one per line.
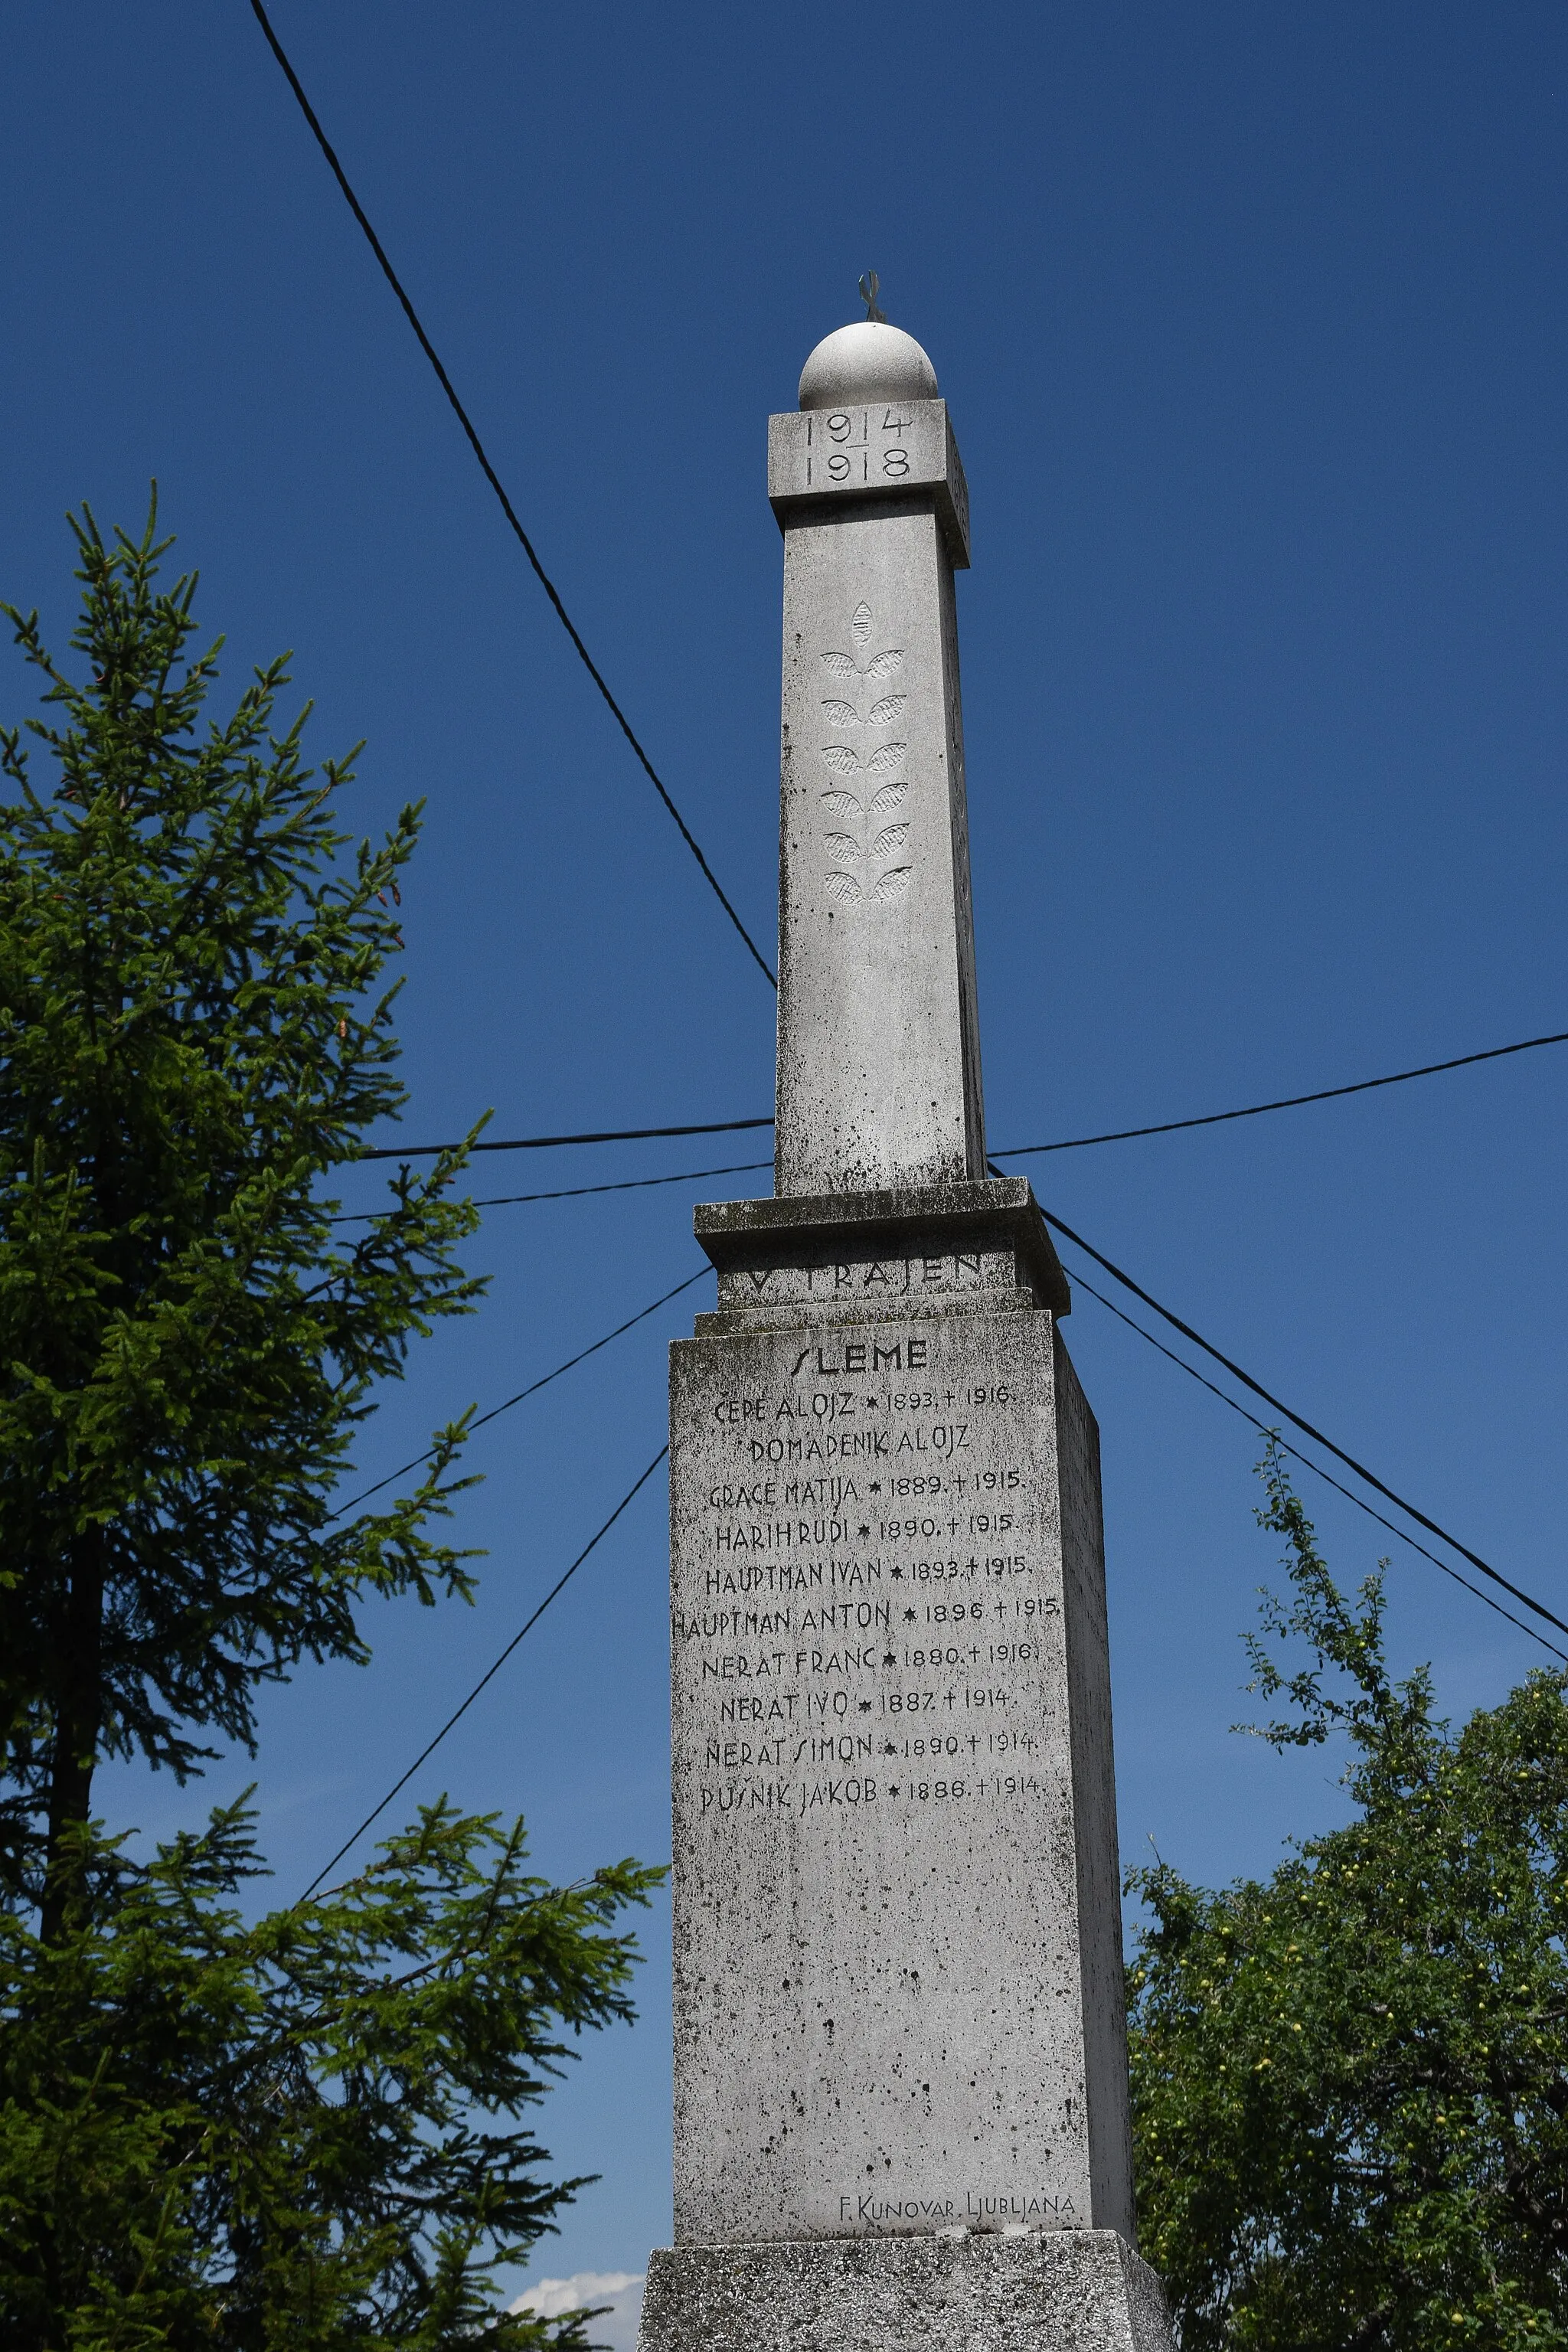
(901,2062)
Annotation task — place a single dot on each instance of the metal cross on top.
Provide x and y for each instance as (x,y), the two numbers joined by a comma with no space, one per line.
(869,285)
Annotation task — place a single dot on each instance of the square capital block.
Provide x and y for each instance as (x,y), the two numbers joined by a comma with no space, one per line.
(886,450)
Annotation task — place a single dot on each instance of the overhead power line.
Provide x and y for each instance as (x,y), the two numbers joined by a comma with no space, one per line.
(531,1389)
(1286,1102)
(1127,1282)
(552,1143)
(489,1675)
(1359,1468)
(577,1191)
(1014,1151)
(493,478)
(1083,1283)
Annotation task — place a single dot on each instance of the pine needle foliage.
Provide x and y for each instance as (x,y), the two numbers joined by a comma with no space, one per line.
(216,2137)
(1351,2079)
(193,1039)
(219,2133)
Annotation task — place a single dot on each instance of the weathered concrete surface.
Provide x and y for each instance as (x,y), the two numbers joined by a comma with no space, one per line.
(868,360)
(1079,2291)
(870,449)
(901,2066)
(879,1053)
(897,1996)
(813,1261)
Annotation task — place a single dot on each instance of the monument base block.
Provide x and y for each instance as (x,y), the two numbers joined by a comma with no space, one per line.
(1062,2290)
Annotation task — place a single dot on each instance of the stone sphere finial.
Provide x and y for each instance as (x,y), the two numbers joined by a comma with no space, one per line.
(869,360)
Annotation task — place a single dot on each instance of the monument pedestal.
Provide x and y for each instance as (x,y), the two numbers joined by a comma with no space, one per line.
(1075,2291)
(898,1952)
(900,2056)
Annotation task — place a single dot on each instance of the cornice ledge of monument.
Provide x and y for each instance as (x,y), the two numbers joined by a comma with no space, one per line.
(1000,1208)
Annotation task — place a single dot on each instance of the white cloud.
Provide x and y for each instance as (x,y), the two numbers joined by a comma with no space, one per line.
(622,2290)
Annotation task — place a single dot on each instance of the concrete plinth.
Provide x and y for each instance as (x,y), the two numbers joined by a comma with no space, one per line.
(878,1052)
(1077,2291)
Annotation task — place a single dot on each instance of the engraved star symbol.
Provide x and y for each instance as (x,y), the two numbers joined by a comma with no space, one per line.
(865,1706)
(888,1659)
(908,1616)
(898,1571)
(876,1485)
(893,1790)
(888,1748)
(865,1531)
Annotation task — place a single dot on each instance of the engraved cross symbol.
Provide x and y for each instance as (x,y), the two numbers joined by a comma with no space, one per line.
(869,285)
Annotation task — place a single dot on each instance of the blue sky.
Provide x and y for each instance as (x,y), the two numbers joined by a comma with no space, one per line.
(1253,323)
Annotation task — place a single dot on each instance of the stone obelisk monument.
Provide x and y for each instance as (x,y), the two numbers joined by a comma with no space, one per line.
(901,2064)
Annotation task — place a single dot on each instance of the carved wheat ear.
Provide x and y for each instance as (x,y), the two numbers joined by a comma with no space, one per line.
(873,839)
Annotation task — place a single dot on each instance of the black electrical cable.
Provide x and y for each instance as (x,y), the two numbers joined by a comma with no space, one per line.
(1015,1151)
(429,348)
(552,1143)
(578,1192)
(1287,1102)
(532,1390)
(488,1675)
(1316,1469)
(1317,1435)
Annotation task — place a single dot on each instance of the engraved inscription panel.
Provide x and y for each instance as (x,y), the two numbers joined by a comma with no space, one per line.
(876,451)
(878,1996)
(850,448)
(876,1282)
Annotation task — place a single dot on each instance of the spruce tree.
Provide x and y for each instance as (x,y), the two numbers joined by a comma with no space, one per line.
(216,2130)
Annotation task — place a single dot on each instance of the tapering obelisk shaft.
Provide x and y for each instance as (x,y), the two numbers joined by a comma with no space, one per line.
(879,1053)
